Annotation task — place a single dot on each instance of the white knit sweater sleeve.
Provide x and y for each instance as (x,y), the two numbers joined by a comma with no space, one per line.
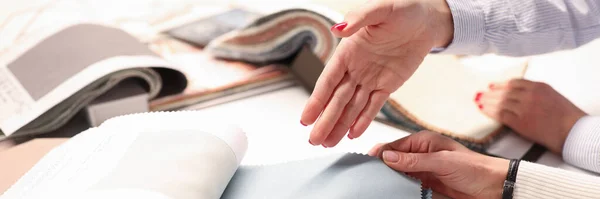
(582,146)
(539,181)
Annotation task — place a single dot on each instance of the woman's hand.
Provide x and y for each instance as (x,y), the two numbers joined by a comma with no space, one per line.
(445,166)
(385,41)
(533,109)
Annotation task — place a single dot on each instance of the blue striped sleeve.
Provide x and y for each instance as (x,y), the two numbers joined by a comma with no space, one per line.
(522,27)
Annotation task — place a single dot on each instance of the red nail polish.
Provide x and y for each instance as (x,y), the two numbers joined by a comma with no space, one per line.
(323,146)
(480,106)
(339,26)
(302,123)
(310,142)
(350,137)
(478,96)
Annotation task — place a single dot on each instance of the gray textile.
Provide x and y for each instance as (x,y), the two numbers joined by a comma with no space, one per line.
(60,56)
(338,176)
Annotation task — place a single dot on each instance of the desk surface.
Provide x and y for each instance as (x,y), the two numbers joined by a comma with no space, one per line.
(278,115)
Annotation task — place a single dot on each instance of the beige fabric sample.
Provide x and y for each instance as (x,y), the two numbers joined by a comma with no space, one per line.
(440,95)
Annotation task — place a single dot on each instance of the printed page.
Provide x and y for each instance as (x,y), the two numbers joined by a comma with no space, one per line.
(47,73)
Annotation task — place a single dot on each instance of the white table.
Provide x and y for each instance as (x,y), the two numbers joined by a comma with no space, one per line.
(278,115)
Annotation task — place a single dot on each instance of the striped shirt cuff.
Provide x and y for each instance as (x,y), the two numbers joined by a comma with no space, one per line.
(582,146)
(469,28)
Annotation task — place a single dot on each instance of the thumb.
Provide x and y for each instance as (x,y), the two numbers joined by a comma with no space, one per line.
(372,13)
(414,162)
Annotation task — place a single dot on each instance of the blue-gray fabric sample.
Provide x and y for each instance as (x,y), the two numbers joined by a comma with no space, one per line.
(345,176)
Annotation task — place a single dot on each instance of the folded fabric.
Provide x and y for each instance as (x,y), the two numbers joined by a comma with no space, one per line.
(276,37)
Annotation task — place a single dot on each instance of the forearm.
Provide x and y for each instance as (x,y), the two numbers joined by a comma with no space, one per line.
(582,146)
(522,27)
(539,181)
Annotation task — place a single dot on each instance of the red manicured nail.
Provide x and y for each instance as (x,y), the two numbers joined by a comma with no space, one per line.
(310,142)
(480,106)
(350,137)
(339,26)
(323,146)
(302,123)
(478,96)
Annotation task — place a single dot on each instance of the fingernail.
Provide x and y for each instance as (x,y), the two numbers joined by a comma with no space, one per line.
(478,96)
(480,106)
(339,26)
(302,123)
(389,156)
(349,136)
(311,142)
(323,145)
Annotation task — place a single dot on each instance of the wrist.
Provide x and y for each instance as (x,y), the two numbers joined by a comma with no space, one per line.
(442,25)
(567,125)
(498,169)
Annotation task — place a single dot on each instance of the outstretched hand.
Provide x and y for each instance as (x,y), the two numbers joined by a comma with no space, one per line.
(384,43)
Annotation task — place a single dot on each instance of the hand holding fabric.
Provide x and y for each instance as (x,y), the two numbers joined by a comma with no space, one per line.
(445,166)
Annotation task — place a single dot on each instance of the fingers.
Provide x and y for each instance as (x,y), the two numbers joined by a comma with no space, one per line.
(421,142)
(424,142)
(335,107)
(416,162)
(376,101)
(495,105)
(375,150)
(354,107)
(512,84)
(371,13)
(328,80)
(503,100)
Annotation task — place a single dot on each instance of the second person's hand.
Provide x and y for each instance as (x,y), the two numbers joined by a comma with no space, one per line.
(445,166)
(385,41)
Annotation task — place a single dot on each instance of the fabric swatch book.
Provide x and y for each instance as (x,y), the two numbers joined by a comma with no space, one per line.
(172,155)
(47,81)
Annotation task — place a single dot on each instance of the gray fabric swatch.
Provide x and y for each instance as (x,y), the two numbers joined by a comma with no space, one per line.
(68,52)
(336,176)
